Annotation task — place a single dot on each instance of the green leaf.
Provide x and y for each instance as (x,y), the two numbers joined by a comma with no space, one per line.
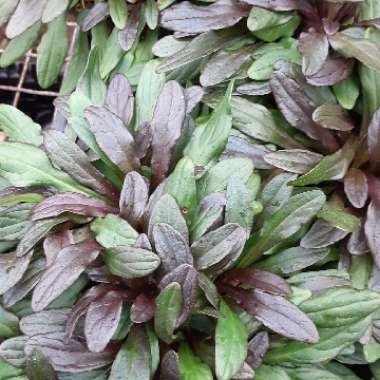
(310,373)
(119,12)
(299,210)
(19,45)
(284,30)
(111,54)
(52,52)
(8,372)
(77,64)
(168,310)
(332,341)
(371,351)
(339,217)
(331,167)
(53,9)
(97,374)
(230,343)
(26,165)
(8,324)
(360,271)
(133,359)
(151,13)
(216,178)
(191,367)
(340,306)
(12,350)
(113,231)
(209,139)
(6,9)
(38,367)
(347,92)
(18,126)
(341,370)
(267,372)
(181,185)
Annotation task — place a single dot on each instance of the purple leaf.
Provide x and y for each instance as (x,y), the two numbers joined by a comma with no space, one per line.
(257,348)
(332,116)
(74,203)
(356,187)
(72,357)
(96,14)
(71,261)
(171,247)
(102,319)
(168,117)
(332,72)
(143,140)
(170,366)
(55,243)
(276,5)
(128,35)
(113,138)
(133,198)
(357,243)
(119,98)
(143,308)
(314,48)
(372,231)
(375,22)
(190,18)
(209,289)
(193,96)
(374,141)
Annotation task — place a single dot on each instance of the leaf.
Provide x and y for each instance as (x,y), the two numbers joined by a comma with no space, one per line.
(19,45)
(52,52)
(143,309)
(96,14)
(168,117)
(133,360)
(54,9)
(342,306)
(190,366)
(257,348)
(371,227)
(332,341)
(216,178)
(171,246)
(230,343)
(18,126)
(148,89)
(277,5)
(12,350)
(362,49)
(297,161)
(37,365)
(133,198)
(170,366)
(12,268)
(112,54)
(285,222)
(119,13)
(72,357)
(8,324)
(129,262)
(6,10)
(260,18)
(168,310)
(113,138)
(27,13)
(151,14)
(332,167)
(102,319)
(68,156)
(373,140)
(209,139)
(314,48)
(71,261)
(266,372)
(331,116)
(128,35)
(119,98)
(73,203)
(112,231)
(7,370)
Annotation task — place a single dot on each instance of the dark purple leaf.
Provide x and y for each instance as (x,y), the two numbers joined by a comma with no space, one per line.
(38,367)
(171,247)
(298,108)
(74,203)
(314,48)
(170,366)
(190,18)
(278,5)
(332,72)
(187,277)
(96,14)
(133,198)
(72,357)
(113,138)
(372,231)
(332,116)
(12,268)
(71,261)
(128,35)
(101,274)
(14,191)
(55,243)
(143,140)
(168,117)
(257,279)
(356,187)
(143,308)
(193,96)
(257,348)
(69,157)
(239,147)
(357,243)
(102,319)
(374,141)
(119,98)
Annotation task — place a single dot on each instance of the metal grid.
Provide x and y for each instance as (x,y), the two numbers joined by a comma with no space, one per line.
(29,58)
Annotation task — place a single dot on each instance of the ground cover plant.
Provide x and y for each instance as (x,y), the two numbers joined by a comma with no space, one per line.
(206,205)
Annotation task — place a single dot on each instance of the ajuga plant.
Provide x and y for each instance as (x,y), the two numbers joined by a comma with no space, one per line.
(206,202)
